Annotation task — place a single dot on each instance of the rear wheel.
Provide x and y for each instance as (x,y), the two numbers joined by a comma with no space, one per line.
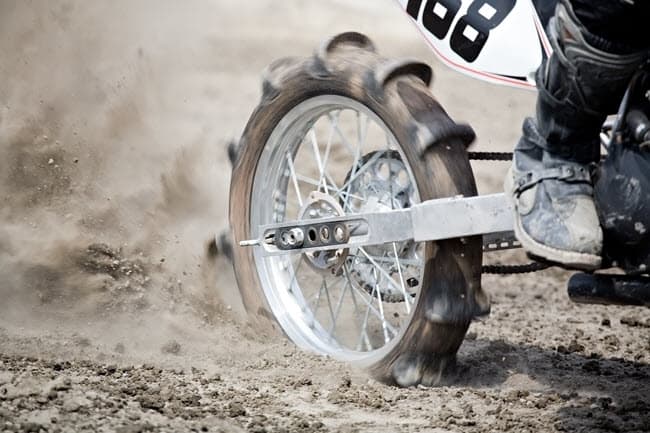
(347,132)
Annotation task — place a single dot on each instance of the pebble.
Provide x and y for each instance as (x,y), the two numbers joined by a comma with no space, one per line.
(634,322)
(236,409)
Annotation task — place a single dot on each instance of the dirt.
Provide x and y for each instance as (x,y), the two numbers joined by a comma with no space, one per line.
(118,314)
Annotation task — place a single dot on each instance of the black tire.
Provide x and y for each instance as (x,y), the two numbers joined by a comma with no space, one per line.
(435,148)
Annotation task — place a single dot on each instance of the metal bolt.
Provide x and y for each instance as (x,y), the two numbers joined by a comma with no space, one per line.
(339,234)
(324,234)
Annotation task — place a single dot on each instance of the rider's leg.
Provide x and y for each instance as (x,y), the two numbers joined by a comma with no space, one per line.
(615,26)
(550,183)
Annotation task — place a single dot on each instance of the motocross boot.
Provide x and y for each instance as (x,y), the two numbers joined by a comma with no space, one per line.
(550,182)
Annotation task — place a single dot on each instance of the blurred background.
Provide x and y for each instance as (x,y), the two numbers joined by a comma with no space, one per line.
(114,120)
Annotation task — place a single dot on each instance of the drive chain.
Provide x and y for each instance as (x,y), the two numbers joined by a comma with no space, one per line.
(504,269)
(514,269)
(490,156)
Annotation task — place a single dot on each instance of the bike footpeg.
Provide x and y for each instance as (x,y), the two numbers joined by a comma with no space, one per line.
(609,289)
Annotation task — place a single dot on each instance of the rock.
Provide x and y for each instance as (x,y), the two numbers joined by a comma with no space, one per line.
(135,428)
(44,418)
(634,322)
(75,402)
(346,381)
(541,403)
(235,409)
(11,392)
(190,399)
(304,381)
(612,340)
(32,427)
(258,424)
(5,377)
(152,402)
(172,347)
(335,397)
(575,347)
(61,383)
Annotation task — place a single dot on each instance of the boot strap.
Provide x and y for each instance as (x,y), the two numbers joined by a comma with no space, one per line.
(566,173)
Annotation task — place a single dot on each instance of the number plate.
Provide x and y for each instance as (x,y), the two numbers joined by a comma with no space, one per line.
(500,41)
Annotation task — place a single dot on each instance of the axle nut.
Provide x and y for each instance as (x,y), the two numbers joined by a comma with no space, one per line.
(292,238)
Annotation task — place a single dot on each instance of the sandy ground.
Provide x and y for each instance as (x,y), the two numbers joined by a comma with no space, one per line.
(114,119)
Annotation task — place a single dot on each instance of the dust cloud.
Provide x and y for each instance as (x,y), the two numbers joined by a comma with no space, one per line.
(110,186)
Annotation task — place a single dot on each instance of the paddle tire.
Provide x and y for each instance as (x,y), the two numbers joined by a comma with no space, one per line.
(429,151)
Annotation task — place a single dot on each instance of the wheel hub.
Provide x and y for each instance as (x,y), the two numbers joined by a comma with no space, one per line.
(320,205)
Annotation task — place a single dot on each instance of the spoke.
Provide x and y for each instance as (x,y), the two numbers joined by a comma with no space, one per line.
(361,170)
(346,199)
(331,180)
(319,163)
(407,262)
(339,304)
(349,280)
(311,181)
(390,172)
(295,273)
(377,313)
(348,196)
(294,178)
(401,279)
(346,142)
(382,270)
(363,336)
(328,148)
(329,303)
(362,132)
(313,310)
(357,153)
(381,312)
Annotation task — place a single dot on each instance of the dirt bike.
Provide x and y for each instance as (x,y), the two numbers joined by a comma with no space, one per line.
(354,209)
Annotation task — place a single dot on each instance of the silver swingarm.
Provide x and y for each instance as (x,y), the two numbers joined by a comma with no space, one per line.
(445,218)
